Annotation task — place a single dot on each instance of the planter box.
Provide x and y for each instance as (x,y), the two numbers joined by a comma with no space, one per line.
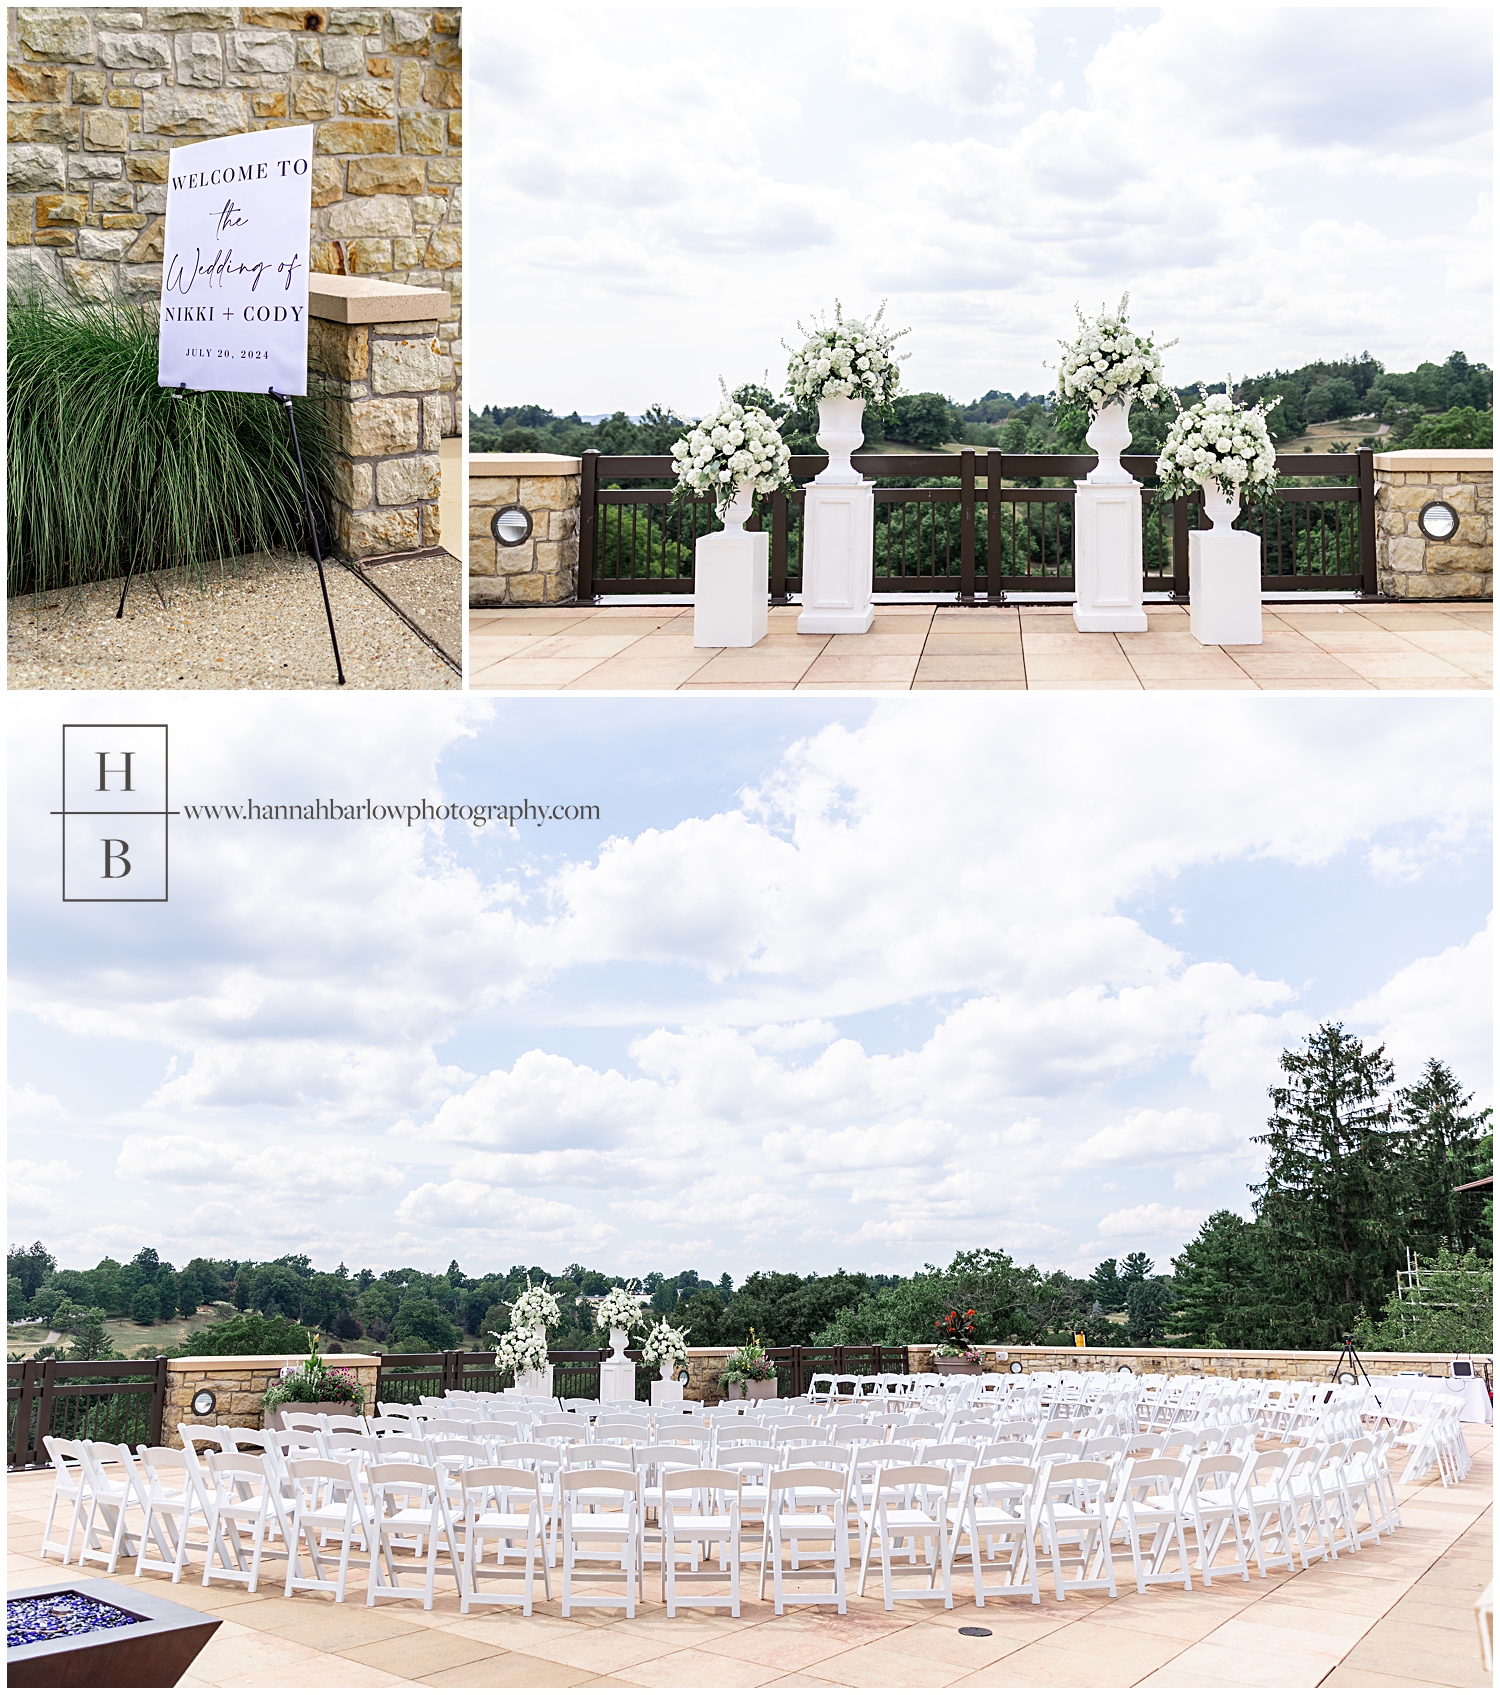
(958,1368)
(763,1391)
(272,1420)
(152,1653)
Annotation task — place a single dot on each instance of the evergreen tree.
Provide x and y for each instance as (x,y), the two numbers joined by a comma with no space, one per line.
(189,1293)
(90,1338)
(1104,1283)
(1443,1146)
(1327,1205)
(143,1308)
(1219,1279)
(1148,1307)
(1136,1268)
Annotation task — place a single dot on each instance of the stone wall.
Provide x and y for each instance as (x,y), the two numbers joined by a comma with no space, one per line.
(1408,565)
(239,1381)
(543,569)
(705,1364)
(373,358)
(99,95)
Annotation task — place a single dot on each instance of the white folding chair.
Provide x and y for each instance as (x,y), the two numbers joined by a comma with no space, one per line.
(700,1506)
(997,1509)
(246,1498)
(110,1489)
(503,1504)
(1149,1508)
(328,1504)
(166,1482)
(912,1505)
(409,1502)
(1074,1503)
(600,1504)
(788,1520)
(70,1488)
(1211,1505)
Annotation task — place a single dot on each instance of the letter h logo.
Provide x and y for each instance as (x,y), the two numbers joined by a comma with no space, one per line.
(114,812)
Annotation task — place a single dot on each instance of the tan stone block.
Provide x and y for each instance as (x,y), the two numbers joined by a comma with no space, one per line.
(268,105)
(53,238)
(194,112)
(123,221)
(445,248)
(147,167)
(515,561)
(432,524)
(550,555)
(341,351)
(407,252)
(1460,496)
(364,215)
(369,258)
(456,131)
(1409,498)
(409,83)
(327,181)
(445,22)
(562,525)
(448,54)
(370,98)
(481,561)
(48,123)
(402,482)
(493,491)
(352,483)
(434,414)
(37,83)
(148,244)
(421,132)
(1405,553)
(449,172)
(377,66)
(441,88)
(56,210)
(324,257)
(192,17)
(356,135)
(405,366)
(124,99)
(285,17)
(1449,585)
(1473,529)
(393,174)
(480,518)
(1453,555)
(313,98)
(373,428)
(56,34)
(389,529)
(550,493)
(18,220)
(530,590)
(88,88)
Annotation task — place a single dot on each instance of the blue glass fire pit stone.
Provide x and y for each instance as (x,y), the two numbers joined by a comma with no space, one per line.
(89,1633)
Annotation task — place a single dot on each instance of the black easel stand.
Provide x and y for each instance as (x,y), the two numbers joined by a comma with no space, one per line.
(312,527)
(1356,1364)
(178,394)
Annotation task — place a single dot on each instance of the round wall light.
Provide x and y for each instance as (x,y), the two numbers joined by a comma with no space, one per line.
(511,525)
(1016,1368)
(204,1402)
(1438,521)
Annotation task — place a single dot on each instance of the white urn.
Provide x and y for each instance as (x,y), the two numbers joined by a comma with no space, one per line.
(739,510)
(1109,436)
(841,431)
(665,1370)
(1221,508)
(617,1341)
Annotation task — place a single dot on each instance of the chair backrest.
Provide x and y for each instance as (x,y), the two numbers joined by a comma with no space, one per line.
(1064,1474)
(592,1479)
(798,1433)
(1004,1452)
(303,1421)
(1003,1477)
(1062,1448)
(309,1476)
(446,1427)
(822,1453)
(532,1456)
(228,1468)
(900,1478)
(455,1450)
(702,1477)
(495,1430)
(349,1423)
(401,1478)
(580,1455)
(793,1478)
(944,1453)
(559,1430)
(483,1480)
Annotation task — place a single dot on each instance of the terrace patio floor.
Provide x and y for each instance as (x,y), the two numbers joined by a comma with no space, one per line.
(1397,1616)
(1313,645)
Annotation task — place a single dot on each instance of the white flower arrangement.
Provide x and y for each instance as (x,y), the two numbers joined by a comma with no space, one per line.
(664,1342)
(535,1306)
(735,445)
(520,1351)
(1108,361)
(1214,440)
(619,1310)
(850,360)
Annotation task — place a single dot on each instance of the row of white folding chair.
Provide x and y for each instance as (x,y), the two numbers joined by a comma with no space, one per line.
(1435,1439)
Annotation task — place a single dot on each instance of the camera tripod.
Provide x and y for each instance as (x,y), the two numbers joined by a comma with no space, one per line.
(1356,1364)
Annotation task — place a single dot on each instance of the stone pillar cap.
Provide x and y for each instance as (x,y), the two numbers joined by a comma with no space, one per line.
(369,300)
(523,465)
(1437,459)
(230,1361)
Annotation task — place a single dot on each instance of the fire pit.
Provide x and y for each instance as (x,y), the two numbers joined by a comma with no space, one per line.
(90,1634)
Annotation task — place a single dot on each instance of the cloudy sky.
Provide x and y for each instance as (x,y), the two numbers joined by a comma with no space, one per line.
(659,194)
(830,982)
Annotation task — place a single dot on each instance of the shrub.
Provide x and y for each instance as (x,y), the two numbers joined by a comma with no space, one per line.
(1461,426)
(86,423)
(249,1335)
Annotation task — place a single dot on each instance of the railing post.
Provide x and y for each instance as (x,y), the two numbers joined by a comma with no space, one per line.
(778,546)
(21,1445)
(44,1412)
(1180,578)
(994,475)
(1369,581)
(966,527)
(588,503)
(158,1402)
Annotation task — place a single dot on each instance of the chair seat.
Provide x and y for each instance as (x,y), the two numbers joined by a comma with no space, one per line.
(593,1524)
(702,1523)
(807,1524)
(496,1521)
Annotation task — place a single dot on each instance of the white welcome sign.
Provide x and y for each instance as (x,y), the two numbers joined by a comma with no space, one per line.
(234,275)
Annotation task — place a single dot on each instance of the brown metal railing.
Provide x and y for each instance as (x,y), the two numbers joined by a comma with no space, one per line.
(978,523)
(93,1400)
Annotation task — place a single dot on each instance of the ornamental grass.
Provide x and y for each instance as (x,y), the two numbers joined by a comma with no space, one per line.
(87,424)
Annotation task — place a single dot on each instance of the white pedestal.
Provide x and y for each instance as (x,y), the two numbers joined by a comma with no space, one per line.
(1224,581)
(617,1380)
(1107,557)
(665,1391)
(838,559)
(731,588)
(535,1382)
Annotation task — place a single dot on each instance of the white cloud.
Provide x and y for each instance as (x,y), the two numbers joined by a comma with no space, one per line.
(30,1185)
(1149,1137)
(28,1103)
(1152,1222)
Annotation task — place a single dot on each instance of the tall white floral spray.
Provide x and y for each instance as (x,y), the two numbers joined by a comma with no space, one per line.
(620,1309)
(734,446)
(1107,362)
(848,359)
(523,1348)
(1217,441)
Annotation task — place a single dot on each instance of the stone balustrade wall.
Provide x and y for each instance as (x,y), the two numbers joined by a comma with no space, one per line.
(1408,565)
(99,95)
(239,1381)
(543,569)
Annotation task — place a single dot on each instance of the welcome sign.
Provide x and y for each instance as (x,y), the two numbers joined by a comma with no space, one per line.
(234,276)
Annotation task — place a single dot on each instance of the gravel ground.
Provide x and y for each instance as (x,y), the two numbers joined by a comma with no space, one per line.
(256,626)
(429,589)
